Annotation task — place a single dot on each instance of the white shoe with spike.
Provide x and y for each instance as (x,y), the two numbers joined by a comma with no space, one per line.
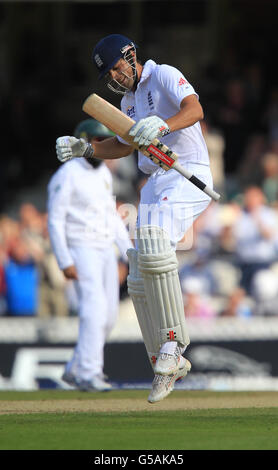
(167,364)
(163,385)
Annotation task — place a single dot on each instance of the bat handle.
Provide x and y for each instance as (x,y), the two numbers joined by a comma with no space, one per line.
(193,179)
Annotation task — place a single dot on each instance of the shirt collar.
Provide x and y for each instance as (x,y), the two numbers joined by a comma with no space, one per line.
(147,70)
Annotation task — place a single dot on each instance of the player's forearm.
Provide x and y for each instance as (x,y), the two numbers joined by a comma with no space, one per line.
(111,148)
(191,112)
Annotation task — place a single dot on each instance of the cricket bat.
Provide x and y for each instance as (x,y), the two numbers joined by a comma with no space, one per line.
(159,153)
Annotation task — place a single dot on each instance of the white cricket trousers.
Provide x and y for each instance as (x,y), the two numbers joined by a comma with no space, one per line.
(98,298)
(170,201)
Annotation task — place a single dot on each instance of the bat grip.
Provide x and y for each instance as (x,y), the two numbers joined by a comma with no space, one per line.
(193,179)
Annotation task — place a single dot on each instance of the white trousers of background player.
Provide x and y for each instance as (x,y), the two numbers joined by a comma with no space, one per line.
(98,298)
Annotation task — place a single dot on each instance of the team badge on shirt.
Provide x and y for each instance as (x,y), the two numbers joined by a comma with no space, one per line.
(130,111)
(150,100)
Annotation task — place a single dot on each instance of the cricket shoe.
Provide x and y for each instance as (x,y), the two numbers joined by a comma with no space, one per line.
(163,385)
(168,364)
(69,378)
(96,384)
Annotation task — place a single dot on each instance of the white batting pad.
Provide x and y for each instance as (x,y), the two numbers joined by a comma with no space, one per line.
(158,264)
(146,321)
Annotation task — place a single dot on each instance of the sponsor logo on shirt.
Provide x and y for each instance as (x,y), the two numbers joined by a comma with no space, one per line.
(182,81)
(150,100)
(130,111)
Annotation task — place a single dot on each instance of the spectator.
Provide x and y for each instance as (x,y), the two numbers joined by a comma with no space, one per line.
(198,271)
(30,218)
(238,305)
(53,285)
(270,177)
(22,281)
(227,215)
(212,231)
(206,230)
(196,304)
(265,292)
(31,224)
(9,229)
(255,232)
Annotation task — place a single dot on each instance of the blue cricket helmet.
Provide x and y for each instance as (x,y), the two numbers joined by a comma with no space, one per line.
(109,50)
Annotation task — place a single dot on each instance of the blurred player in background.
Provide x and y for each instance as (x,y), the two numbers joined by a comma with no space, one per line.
(164,106)
(83,227)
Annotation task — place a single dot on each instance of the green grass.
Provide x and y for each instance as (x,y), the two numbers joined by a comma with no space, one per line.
(207,429)
(196,430)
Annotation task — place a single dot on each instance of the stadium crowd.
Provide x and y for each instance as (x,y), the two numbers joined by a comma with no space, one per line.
(231,268)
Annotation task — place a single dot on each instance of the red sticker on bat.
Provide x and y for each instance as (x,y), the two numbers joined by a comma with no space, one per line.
(163,157)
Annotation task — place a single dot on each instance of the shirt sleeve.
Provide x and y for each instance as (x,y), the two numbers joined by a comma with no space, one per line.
(59,194)
(175,83)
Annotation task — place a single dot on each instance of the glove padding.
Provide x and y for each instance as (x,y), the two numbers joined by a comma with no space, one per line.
(68,147)
(146,130)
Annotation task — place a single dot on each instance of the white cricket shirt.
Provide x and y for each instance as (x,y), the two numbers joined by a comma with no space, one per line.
(159,93)
(82,210)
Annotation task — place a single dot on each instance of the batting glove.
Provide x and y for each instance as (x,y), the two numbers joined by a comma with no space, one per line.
(68,147)
(146,130)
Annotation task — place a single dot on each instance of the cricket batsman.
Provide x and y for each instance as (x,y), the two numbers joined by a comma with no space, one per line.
(165,106)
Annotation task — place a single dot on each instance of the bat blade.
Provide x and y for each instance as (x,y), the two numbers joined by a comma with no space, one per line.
(110,116)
